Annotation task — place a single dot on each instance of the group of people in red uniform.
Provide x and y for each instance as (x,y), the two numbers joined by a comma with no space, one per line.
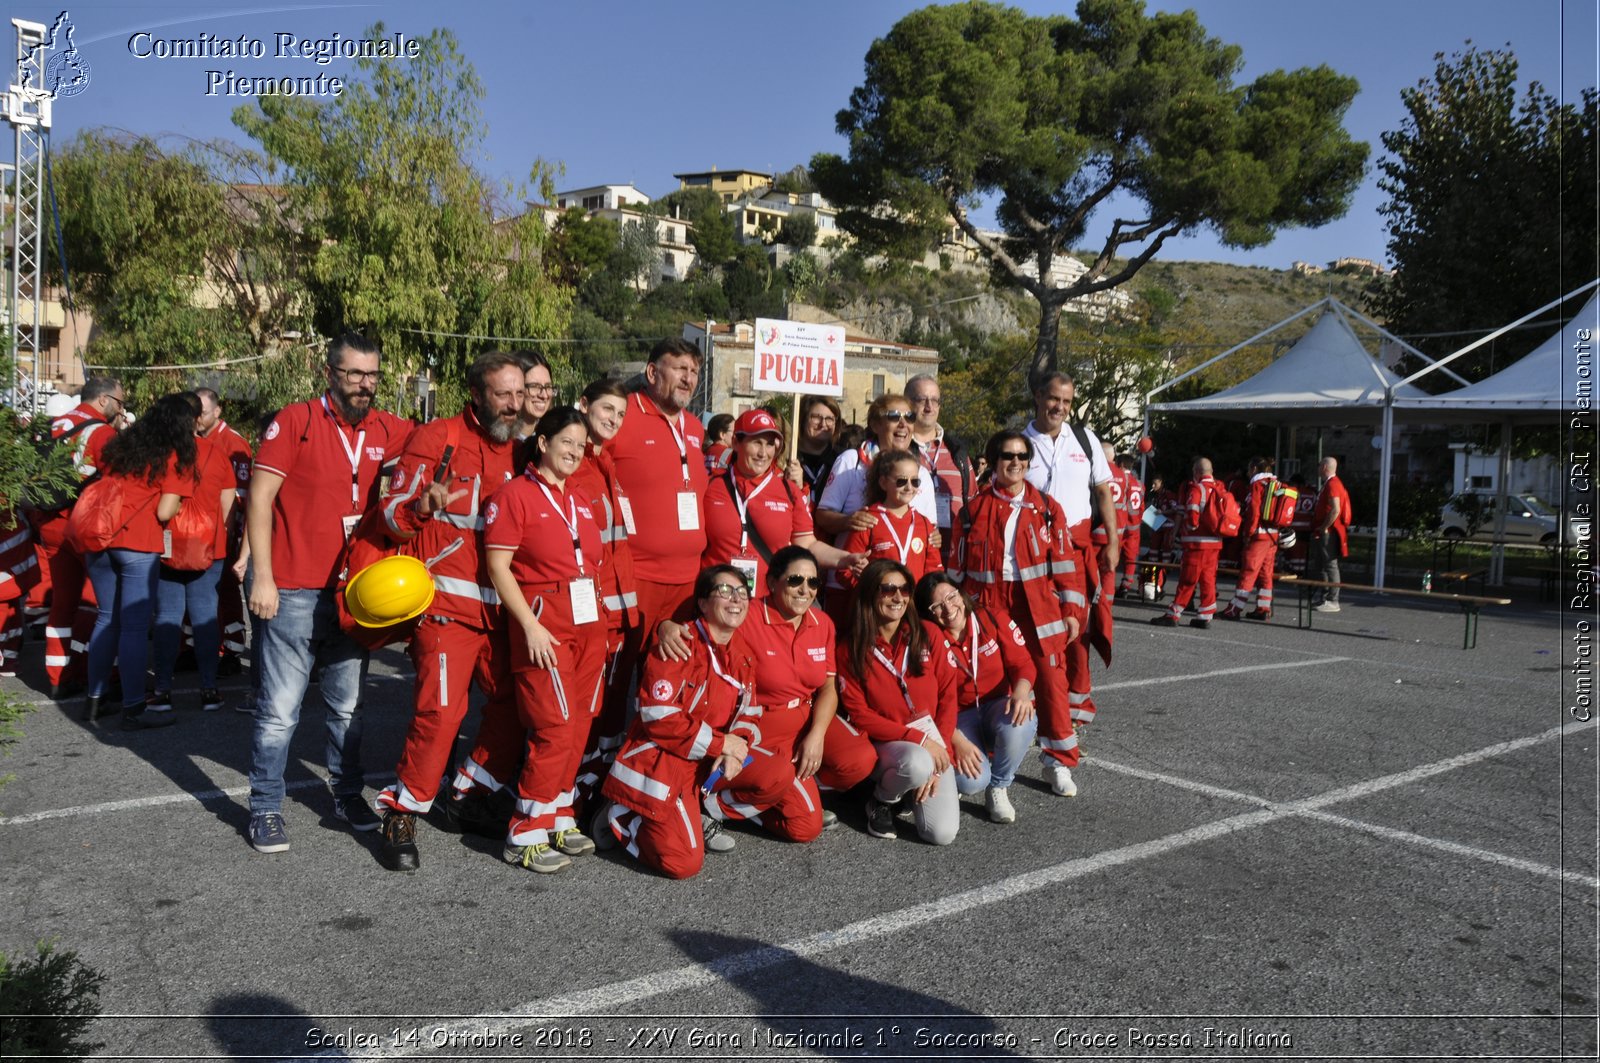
(665,646)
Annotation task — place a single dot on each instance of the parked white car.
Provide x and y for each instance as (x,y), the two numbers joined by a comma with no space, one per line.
(1529,519)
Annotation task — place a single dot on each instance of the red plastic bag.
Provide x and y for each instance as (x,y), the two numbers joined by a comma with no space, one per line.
(191,537)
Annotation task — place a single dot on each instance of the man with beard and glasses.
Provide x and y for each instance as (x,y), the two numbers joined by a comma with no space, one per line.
(438,509)
(317,471)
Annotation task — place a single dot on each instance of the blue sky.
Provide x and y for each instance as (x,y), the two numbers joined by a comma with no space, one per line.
(635,92)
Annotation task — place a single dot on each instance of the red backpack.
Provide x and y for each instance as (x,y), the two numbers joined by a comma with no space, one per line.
(1219,512)
(97,518)
(1278,504)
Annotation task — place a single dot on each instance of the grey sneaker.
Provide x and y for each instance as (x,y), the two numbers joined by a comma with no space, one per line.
(357,813)
(537,858)
(830,819)
(605,839)
(267,834)
(1327,607)
(716,838)
(574,843)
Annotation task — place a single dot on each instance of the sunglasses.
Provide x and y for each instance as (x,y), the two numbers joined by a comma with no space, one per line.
(908,481)
(1014,455)
(810,581)
(899,415)
(894,590)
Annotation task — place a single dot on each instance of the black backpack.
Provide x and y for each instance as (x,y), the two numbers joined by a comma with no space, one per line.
(56,493)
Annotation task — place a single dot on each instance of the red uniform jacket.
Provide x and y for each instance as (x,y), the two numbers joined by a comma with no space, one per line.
(19,562)
(878,543)
(1250,525)
(1047,568)
(877,704)
(597,478)
(450,541)
(1000,653)
(1196,494)
(686,709)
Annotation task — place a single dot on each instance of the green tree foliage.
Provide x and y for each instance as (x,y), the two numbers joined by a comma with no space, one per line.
(1491,208)
(54,997)
(402,231)
(1052,117)
(712,230)
(798,231)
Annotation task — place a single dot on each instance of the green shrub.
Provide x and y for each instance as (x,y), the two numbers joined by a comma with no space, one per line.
(46,1005)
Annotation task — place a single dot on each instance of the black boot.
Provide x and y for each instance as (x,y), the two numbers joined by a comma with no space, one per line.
(400,841)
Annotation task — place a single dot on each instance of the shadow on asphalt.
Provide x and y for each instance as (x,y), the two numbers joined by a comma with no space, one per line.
(795,997)
(248,1025)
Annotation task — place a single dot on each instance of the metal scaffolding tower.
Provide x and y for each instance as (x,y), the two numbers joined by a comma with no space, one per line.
(27,108)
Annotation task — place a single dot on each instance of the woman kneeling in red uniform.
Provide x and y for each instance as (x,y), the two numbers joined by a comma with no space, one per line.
(683,733)
(796,741)
(544,556)
(899,684)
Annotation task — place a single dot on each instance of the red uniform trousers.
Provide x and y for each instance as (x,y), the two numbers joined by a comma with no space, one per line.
(1259,555)
(12,623)
(1199,571)
(848,757)
(1130,559)
(554,711)
(1057,738)
(766,791)
(1079,683)
(673,846)
(657,602)
(39,594)
(605,737)
(72,604)
(442,695)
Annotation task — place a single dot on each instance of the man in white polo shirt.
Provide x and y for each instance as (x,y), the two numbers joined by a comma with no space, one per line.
(1070,466)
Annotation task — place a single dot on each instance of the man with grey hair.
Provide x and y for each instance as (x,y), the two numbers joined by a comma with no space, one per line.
(318,469)
(943,459)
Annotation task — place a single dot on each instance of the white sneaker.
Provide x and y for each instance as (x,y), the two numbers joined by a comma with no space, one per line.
(999,805)
(717,839)
(1327,607)
(1060,778)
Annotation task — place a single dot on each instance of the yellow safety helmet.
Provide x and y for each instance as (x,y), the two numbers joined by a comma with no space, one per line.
(390,591)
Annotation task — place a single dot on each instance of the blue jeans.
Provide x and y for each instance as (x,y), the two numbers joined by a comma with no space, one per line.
(989,728)
(194,593)
(305,634)
(125,587)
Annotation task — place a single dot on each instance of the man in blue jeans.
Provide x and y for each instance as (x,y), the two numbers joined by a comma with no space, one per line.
(317,470)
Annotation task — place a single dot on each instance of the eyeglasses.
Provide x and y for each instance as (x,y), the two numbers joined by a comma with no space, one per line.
(731,592)
(898,415)
(357,376)
(541,389)
(926,400)
(810,581)
(908,481)
(949,601)
(1015,455)
(894,590)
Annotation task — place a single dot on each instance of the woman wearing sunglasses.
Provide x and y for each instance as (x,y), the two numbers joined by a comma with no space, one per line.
(684,735)
(1014,560)
(899,533)
(996,699)
(898,684)
(797,742)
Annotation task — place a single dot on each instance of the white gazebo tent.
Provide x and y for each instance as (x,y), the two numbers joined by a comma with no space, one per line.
(1327,377)
(1539,388)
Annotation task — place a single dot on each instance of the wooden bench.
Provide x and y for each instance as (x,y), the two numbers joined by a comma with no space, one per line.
(1470,604)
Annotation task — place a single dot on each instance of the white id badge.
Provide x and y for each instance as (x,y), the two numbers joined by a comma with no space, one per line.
(941,502)
(688,511)
(747,568)
(627,514)
(585,606)
(350,521)
(166,545)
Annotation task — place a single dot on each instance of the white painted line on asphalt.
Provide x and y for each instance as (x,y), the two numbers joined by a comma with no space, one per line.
(1486,855)
(1241,670)
(608,999)
(187,797)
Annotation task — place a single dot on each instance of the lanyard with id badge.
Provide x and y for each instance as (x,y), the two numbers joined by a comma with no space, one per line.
(584,600)
(688,501)
(748,566)
(350,520)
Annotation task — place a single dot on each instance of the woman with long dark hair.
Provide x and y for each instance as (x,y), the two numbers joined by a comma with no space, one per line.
(898,684)
(153,462)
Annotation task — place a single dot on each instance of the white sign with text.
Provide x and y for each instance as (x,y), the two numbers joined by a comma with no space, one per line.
(798,358)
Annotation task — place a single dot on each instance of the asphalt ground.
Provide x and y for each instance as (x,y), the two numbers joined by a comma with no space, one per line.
(1359,841)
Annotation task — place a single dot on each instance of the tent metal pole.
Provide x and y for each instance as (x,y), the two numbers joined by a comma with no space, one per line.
(1381,552)
(1208,364)
(1497,553)
(1491,337)
(1386,334)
